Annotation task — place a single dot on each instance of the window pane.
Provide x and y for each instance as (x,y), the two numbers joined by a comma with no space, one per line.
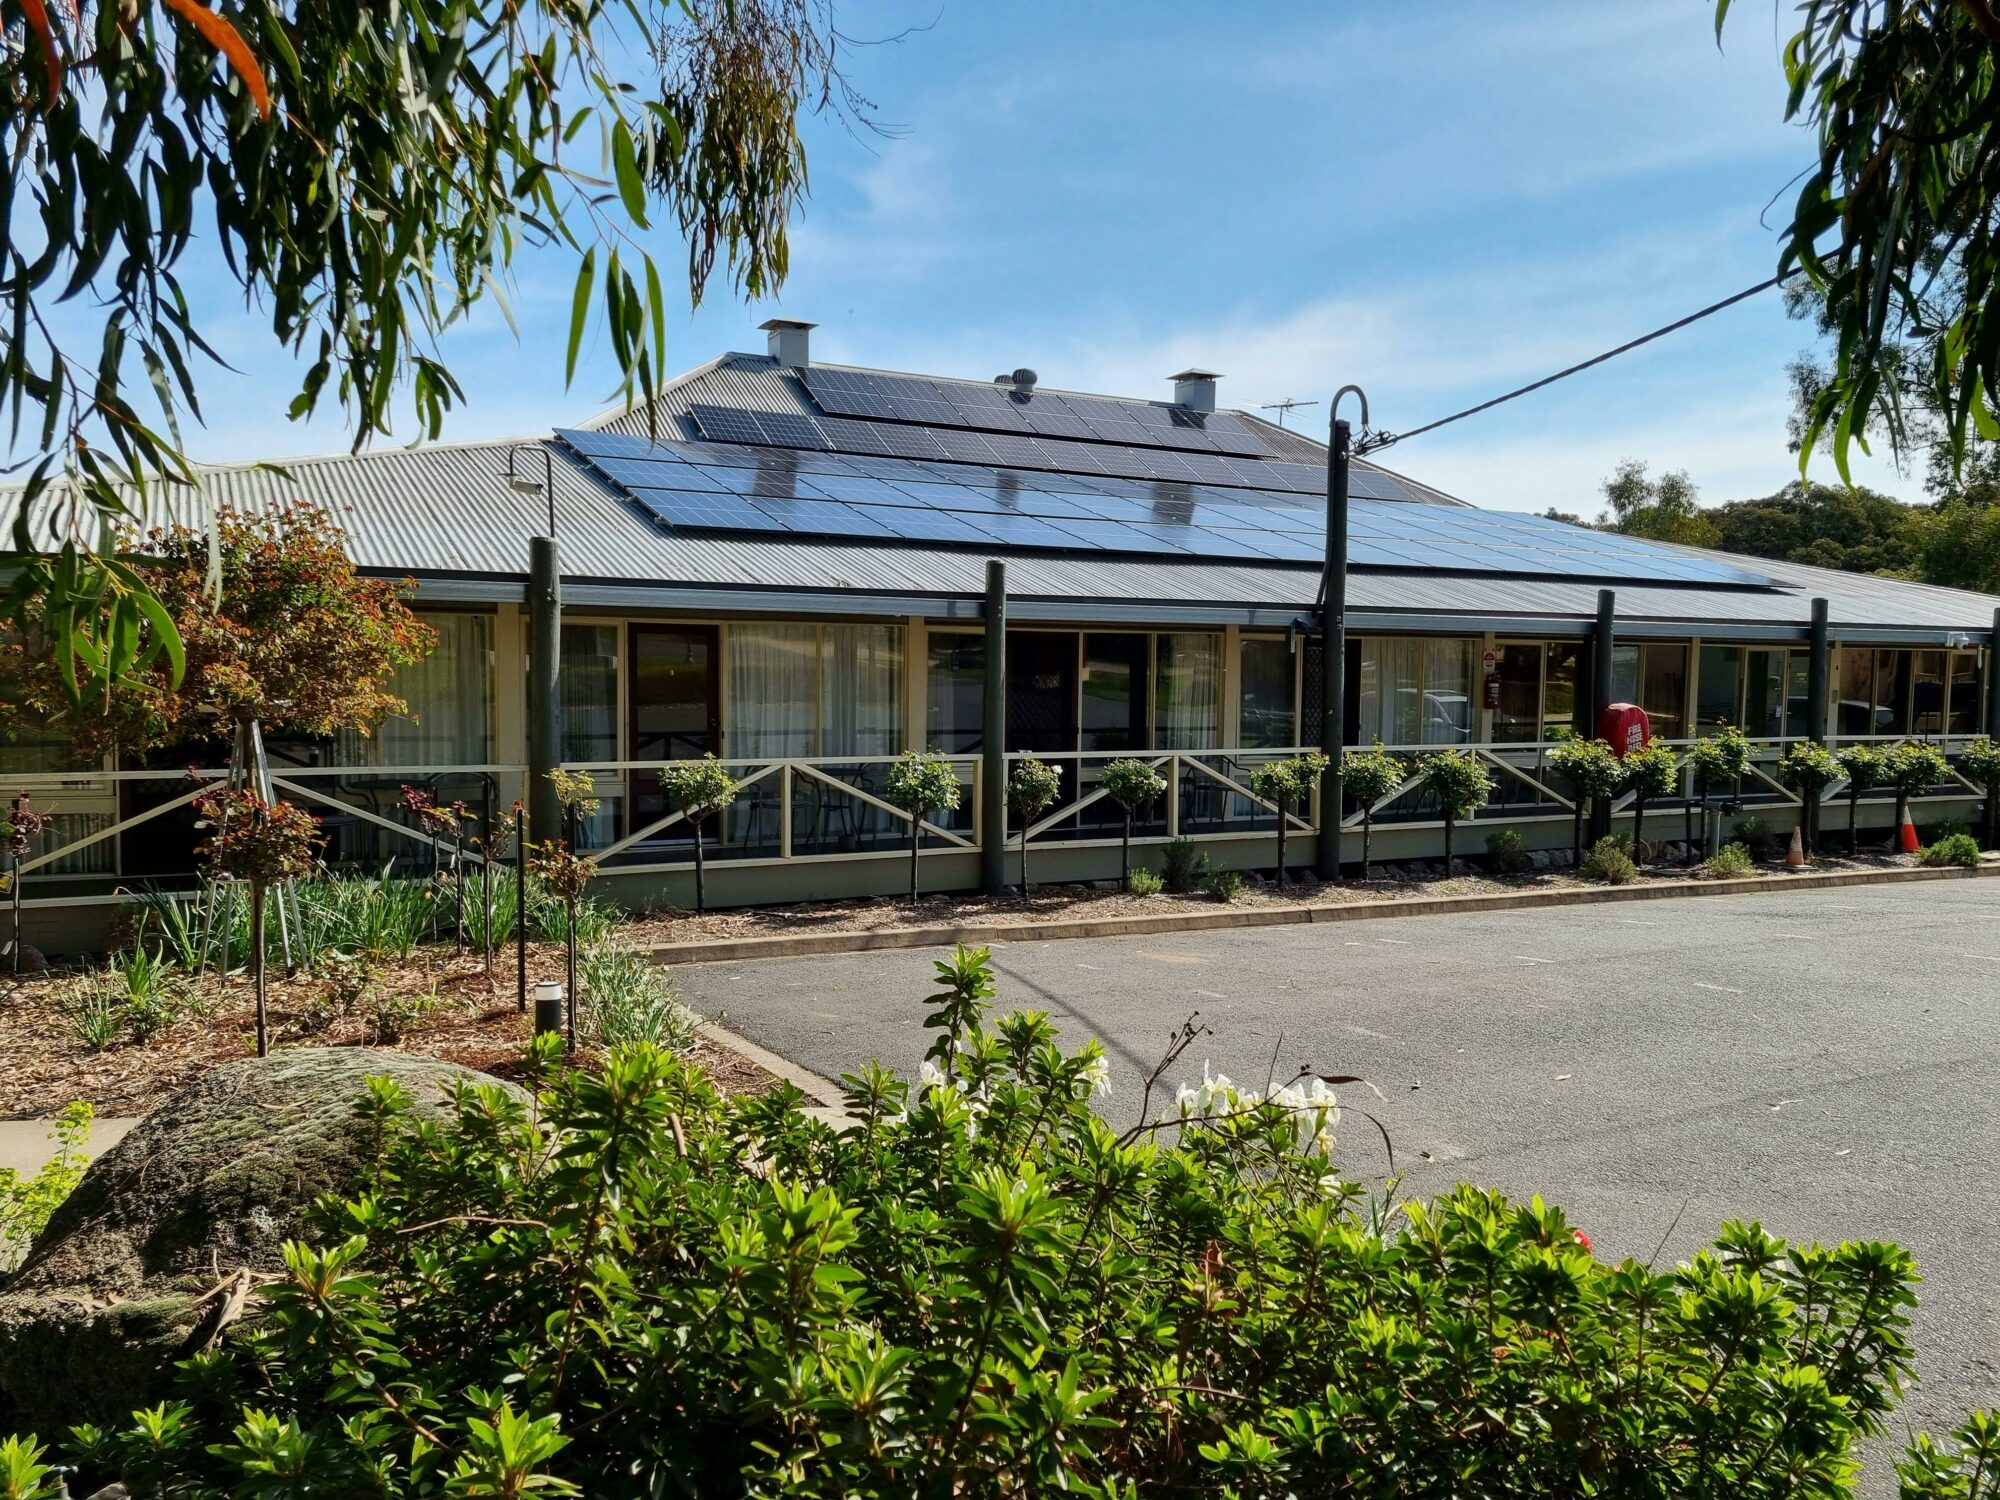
(450,698)
(1188,716)
(1559,695)
(1625,675)
(1663,693)
(1266,700)
(1715,700)
(1892,692)
(1519,716)
(1114,691)
(1798,680)
(773,690)
(1447,702)
(956,695)
(587,686)
(1764,694)
(1854,692)
(1966,704)
(861,690)
(1927,692)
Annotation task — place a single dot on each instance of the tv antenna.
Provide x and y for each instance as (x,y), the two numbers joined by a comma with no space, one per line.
(1286,405)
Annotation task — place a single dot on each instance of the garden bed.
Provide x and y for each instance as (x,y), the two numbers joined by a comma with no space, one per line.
(1074,903)
(440,1003)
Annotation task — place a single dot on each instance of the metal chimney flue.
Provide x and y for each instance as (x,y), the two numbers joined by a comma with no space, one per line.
(790,341)
(1195,389)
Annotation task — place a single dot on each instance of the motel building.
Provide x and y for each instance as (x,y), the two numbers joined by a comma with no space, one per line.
(807,569)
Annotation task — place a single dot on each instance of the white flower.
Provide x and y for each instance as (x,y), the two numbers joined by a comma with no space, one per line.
(929,1076)
(1096,1076)
(1330,1184)
(1188,1100)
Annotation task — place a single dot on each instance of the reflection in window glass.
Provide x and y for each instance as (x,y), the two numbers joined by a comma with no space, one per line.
(956,696)
(1965,696)
(1266,702)
(1519,716)
(861,690)
(1892,692)
(1625,674)
(1798,679)
(1114,691)
(1927,669)
(1663,688)
(1855,694)
(1764,694)
(1559,689)
(1188,692)
(1717,697)
(588,688)
(1416,691)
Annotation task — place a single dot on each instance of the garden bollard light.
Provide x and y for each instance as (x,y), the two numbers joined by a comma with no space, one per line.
(548,1006)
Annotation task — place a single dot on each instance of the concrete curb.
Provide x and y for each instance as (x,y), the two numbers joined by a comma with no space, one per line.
(818,944)
(827,1103)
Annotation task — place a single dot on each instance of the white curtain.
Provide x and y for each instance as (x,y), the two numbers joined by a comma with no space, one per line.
(1188,692)
(1416,691)
(449,721)
(773,691)
(861,690)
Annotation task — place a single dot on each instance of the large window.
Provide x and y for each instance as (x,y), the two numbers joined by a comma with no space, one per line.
(800,691)
(1265,703)
(1559,689)
(956,695)
(449,721)
(1416,691)
(1518,719)
(1188,693)
(1874,692)
(1114,691)
(1741,688)
(1654,676)
(1966,710)
(587,684)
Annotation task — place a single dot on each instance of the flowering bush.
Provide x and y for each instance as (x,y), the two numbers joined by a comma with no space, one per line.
(1031,786)
(922,784)
(1131,784)
(981,1287)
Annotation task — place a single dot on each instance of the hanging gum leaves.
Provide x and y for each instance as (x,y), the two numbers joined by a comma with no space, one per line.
(227,40)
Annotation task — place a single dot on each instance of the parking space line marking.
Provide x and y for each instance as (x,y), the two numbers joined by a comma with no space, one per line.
(1523,958)
(1634,922)
(1725,989)
(1985,957)
(1399,942)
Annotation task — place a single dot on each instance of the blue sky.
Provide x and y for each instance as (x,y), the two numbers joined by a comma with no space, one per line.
(1436,201)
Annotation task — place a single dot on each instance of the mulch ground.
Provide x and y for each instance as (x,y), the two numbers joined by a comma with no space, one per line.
(462,1015)
(1085,902)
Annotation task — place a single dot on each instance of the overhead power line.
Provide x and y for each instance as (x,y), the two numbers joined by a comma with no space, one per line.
(1375,442)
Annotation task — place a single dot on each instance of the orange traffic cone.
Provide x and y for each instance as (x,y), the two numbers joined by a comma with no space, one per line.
(1795,857)
(1910,844)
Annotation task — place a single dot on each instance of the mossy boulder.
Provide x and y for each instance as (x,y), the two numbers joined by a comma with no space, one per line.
(213,1181)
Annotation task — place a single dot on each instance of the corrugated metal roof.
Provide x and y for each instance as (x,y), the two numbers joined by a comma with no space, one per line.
(447,514)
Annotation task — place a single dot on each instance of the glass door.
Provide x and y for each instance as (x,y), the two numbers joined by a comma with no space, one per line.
(674,706)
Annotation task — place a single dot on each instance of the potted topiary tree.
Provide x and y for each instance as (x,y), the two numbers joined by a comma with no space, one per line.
(1368,777)
(1652,772)
(1131,784)
(1715,760)
(1807,768)
(1461,784)
(259,843)
(1031,787)
(1283,782)
(921,784)
(1913,768)
(698,790)
(1864,766)
(1979,763)
(1591,769)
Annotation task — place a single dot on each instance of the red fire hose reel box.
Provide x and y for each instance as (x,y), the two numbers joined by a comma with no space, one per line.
(1625,728)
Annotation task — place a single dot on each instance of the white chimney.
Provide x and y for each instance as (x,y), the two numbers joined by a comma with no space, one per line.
(790,341)
(1195,389)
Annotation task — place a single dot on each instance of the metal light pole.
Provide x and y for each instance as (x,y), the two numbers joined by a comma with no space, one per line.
(527,486)
(1333,635)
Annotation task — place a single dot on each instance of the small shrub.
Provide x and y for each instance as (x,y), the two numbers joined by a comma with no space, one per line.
(629,998)
(1945,828)
(1960,849)
(1760,836)
(1223,885)
(95,1013)
(1369,776)
(1505,847)
(1610,862)
(393,1015)
(26,1202)
(1185,866)
(1147,883)
(921,784)
(1730,862)
(1131,784)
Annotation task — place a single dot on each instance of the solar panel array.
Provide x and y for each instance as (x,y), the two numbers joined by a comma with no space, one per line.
(778,491)
(1004,408)
(775,429)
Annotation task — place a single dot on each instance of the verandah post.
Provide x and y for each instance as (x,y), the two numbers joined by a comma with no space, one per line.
(544,683)
(1603,642)
(1993,727)
(1817,676)
(993,770)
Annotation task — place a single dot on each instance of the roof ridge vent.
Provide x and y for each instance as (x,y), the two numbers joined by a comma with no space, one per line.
(1022,379)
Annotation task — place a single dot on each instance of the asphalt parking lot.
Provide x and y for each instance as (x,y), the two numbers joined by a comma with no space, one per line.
(1823,1061)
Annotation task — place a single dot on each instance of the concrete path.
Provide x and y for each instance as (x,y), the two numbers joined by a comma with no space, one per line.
(25,1144)
(1823,1061)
